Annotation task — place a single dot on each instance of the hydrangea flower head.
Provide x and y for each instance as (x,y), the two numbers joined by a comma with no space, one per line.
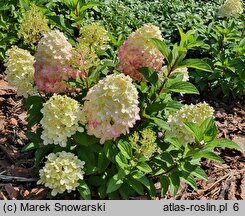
(52,68)
(53,48)
(144,143)
(138,51)
(61,172)
(33,26)
(95,36)
(84,57)
(231,8)
(61,118)
(188,113)
(20,71)
(111,107)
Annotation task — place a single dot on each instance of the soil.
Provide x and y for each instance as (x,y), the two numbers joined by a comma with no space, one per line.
(18,175)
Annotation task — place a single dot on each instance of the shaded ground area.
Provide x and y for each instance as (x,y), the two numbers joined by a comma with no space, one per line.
(18,175)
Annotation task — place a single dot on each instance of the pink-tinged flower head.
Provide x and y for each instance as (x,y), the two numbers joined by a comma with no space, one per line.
(111,107)
(52,68)
(138,51)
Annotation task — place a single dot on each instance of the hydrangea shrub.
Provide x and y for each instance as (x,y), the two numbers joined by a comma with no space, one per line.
(119,133)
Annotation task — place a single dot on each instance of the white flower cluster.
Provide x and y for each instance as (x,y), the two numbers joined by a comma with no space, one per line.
(53,47)
(188,113)
(61,118)
(20,71)
(231,8)
(61,172)
(111,107)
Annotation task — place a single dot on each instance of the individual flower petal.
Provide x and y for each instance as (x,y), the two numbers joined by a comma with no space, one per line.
(61,172)
(111,107)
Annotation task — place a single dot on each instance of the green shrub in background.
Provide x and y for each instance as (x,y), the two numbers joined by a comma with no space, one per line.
(225,50)
(9,25)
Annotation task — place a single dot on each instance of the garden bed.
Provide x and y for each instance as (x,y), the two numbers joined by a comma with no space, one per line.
(19,175)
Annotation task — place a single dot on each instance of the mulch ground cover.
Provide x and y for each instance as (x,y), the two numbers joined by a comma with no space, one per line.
(18,175)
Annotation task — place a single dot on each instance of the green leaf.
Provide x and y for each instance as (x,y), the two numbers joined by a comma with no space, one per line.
(183,87)
(102,191)
(149,74)
(195,63)
(165,157)
(84,190)
(191,127)
(189,179)
(42,152)
(114,183)
(24,4)
(182,36)
(69,3)
(199,172)
(86,154)
(209,129)
(96,180)
(174,141)
(209,155)
(34,104)
(110,150)
(60,22)
(148,184)
(164,180)
(103,162)
(30,146)
(163,48)
(144,167)
(84,139)
(136,174)
(89,5)
(34,137)
(125,148)
(224,143)
(137,186)
(161,123)
(121,161)
(174,179)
